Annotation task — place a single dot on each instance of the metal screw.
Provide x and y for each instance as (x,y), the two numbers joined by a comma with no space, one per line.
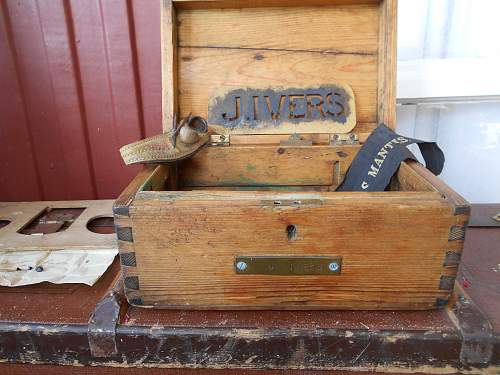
(242,266)
(334,266)
(39,269)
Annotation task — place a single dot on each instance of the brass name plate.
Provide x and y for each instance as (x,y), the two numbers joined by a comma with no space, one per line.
(288,265)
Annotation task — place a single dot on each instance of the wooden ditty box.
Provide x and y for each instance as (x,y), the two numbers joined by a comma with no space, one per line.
(253,220)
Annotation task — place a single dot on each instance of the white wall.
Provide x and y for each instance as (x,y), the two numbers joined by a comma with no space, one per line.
(449,88)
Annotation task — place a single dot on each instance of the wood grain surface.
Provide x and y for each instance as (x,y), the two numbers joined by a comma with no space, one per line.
(387,59)
(261,165)
(186,243)
(204,72)
(76,237)
(243,45)
(393,243)
(327,29)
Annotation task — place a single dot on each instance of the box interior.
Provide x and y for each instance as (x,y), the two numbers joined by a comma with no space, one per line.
(163,178)
(210,47)
(235,46)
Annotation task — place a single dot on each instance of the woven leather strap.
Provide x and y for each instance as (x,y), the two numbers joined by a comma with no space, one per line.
(168,147)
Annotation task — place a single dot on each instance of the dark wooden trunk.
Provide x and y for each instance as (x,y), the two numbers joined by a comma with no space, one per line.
(48,324)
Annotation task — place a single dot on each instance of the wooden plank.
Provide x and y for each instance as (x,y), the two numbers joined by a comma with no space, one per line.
(222,4)
(460,204)
(384,264)
(362,130)
(76,237)
(121,204)
(265,165)
(168,64)
(387,60)
(460,212)
(202,72)
(409,180)
(276,139)
(326,29)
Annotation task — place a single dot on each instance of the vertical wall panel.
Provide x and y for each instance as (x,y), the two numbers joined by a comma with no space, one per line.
(18,172)
(78,79)
(38,96)
(69,122)
(103,48)
(145,14)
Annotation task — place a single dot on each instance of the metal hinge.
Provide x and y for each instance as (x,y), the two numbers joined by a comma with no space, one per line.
(219,140)
(344,139)
(296,140)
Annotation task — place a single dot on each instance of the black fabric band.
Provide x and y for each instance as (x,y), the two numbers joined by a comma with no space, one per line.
(380,157)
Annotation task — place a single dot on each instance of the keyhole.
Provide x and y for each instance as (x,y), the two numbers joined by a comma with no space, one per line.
(291,232)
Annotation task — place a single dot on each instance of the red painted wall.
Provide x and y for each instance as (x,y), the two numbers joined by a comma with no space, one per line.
(78,79)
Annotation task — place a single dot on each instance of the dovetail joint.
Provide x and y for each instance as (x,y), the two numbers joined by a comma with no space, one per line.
(440,302)
(124,234)
(128,259)
(447,282)
(131,282)
(136,301)
(457,233)
(121,210)
(451,259)
(462,210)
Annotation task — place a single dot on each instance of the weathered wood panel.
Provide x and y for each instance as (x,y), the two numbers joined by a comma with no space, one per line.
(326,29)
(265,166)
(205,71)
(76,237)
(186,243)
(263,47)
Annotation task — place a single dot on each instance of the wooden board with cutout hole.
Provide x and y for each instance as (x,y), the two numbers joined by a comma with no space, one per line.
(76,236)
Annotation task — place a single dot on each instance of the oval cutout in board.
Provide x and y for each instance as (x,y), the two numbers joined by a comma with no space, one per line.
(278,110)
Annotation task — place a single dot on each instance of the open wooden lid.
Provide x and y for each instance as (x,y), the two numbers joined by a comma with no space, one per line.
(215,50)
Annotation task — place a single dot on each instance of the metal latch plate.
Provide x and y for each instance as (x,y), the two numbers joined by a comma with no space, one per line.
(288,265)
(219,140)
(344,139)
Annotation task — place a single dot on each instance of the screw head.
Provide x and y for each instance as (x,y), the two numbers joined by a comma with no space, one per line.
(241,266)
(39,269)
(334,266)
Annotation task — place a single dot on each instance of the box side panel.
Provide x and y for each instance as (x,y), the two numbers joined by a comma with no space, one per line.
(420,176)
(150,178)
(267,166)
(392,250)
